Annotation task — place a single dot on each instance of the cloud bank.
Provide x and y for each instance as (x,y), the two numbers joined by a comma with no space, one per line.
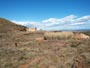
(68,22)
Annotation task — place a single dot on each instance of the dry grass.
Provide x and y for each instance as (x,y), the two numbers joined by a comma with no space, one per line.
(62,53)
(58,35)
(58,51)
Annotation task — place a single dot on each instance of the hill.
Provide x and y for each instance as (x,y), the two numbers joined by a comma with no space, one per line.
(8,26)
(8,30)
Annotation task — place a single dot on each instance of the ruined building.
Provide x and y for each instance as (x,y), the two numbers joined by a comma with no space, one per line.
(31,29)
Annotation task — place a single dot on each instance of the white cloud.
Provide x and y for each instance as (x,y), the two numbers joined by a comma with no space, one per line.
(55,20)
(28,23)
(68,18)
(78,23)
(19,22)
(68,21)
(83,19)
(51,20)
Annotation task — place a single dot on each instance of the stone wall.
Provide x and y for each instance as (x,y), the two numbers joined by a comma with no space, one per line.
(31,29)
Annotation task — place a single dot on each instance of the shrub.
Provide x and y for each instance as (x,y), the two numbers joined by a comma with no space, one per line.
(58,35)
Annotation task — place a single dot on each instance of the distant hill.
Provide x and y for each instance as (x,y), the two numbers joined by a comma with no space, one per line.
(77,30)
(8,26)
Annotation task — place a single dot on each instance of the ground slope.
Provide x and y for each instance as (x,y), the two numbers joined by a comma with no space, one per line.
(6,26)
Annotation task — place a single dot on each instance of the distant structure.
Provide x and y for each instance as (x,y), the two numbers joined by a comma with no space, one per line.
(31,29)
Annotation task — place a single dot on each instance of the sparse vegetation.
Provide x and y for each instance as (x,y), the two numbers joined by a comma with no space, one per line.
(58,50)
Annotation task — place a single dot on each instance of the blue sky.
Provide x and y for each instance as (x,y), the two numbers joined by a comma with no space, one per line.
(48,14)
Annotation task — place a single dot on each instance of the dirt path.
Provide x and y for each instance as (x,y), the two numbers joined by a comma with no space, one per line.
(28,64)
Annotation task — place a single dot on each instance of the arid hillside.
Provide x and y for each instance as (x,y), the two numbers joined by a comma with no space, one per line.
(6,26)
(20,49)
(7,31)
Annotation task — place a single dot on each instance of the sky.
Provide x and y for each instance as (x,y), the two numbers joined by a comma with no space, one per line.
(48,14)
